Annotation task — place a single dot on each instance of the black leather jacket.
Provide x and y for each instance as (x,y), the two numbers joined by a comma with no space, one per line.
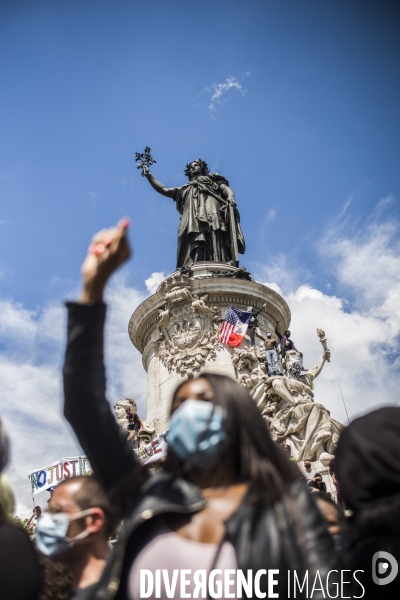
(288,535)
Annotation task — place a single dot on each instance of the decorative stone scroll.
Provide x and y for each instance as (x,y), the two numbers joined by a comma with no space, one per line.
(188,349)
(189,327)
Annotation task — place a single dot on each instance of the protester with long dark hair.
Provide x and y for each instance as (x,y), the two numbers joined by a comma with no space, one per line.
(368,470)
(227,498)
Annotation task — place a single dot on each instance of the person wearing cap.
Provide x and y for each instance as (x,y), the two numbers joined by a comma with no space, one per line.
(286,342)
(271,355)
(317,484)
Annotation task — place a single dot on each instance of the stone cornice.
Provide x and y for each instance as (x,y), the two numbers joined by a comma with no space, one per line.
(222,292)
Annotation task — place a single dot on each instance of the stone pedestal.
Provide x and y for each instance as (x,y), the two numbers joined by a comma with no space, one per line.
(177,329)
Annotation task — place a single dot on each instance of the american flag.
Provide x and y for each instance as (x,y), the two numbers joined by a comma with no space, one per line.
(234,327)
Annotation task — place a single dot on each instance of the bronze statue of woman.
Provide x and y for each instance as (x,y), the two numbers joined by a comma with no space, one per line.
(209,228)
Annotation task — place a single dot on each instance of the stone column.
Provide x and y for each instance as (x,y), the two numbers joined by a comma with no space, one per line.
(177,329)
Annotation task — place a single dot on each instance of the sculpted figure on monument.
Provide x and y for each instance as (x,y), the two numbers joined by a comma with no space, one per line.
(292,415)
(209,228)
(138,431)
(199,304)
(164,317)
(121,407)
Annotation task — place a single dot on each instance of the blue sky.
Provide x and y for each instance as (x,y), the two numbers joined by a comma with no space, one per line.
(294,102)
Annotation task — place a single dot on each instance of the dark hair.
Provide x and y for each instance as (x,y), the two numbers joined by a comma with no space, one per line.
(56,578)
(287,331)
(339,510)
(204,167)
(4,447)
(257,459)
(38,508)
(90,495)
(327,498)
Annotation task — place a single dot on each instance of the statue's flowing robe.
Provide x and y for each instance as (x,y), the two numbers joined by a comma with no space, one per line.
(205,230)
(307,425)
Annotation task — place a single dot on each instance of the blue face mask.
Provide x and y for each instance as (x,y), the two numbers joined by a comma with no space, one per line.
(197,431)
(51,532)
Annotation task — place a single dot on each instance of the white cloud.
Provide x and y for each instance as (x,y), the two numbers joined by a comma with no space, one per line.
(278,272)
(385,202)
(125,372)
(31,388)
(271,215)
(16,321)
(345,207)
(358,341)
(364,335)
(221,92)
(273,286)
(154,281)
(368,263)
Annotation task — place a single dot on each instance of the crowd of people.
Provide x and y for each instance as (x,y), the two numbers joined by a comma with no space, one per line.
(226,499)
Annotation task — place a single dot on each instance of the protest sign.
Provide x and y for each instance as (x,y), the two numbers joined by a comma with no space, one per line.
(153,451)
(48,477)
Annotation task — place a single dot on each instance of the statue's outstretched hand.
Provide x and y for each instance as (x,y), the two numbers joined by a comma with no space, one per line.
(108,250)
(145,170)
(326,355)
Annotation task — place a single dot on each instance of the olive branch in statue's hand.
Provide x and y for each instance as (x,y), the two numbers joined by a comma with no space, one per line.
(145,160)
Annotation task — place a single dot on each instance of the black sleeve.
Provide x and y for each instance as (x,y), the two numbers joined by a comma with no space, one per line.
(86,406)
(313,537)
(19,568)
(280,336)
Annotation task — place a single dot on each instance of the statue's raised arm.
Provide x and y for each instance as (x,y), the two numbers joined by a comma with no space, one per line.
(157,185)
(317,368)
(209,228)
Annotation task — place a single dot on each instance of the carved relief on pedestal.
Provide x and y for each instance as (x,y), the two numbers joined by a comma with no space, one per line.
(189,329)
(188,349)
(199,304)
(178,294)
(175,280)
(249,363)
(164,317)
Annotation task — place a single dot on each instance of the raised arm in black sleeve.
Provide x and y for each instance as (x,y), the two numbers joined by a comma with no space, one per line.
(278,333)
(86,406)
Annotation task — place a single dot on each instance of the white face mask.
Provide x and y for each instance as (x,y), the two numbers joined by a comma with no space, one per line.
(51,532)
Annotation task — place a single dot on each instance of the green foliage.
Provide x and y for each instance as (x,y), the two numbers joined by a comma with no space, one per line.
(23,524)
